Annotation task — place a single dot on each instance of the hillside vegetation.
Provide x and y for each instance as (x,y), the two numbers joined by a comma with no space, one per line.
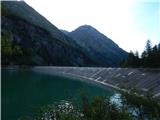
(131,107)
(30,39)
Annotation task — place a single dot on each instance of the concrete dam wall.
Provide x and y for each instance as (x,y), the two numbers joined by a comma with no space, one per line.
(119,78)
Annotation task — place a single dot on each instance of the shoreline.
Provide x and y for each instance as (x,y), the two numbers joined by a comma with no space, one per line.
(114,78)
(143,77)
(95,81)
(85,79)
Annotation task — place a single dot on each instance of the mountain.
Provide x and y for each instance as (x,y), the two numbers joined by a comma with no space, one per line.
(65,32)
(27,38)
(99,47)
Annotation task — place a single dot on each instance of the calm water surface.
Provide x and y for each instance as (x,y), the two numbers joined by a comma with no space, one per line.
(24,91)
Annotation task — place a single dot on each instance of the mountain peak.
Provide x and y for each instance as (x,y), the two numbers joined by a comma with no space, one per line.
(101,48)
(86,28)
(40,42)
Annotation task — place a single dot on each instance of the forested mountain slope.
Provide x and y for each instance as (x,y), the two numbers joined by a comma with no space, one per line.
(29,39)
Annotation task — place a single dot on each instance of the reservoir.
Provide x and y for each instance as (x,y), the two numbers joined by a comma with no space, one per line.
(25,91)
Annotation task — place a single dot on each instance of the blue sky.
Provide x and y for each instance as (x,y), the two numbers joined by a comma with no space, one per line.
(147,18)
(129,23)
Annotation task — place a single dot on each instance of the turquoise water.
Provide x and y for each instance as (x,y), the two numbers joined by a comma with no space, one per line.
(24,91)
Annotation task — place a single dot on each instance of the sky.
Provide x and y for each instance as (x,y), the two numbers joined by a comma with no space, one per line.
(129,23)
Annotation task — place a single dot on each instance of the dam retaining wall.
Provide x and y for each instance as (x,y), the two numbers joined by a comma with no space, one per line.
(119,78)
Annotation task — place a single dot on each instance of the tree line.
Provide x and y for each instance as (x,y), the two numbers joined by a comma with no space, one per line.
(150,57)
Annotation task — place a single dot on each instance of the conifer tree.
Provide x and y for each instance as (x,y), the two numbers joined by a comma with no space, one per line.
(150,57)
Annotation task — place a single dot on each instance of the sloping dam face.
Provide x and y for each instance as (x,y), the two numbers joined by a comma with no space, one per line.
(119,78)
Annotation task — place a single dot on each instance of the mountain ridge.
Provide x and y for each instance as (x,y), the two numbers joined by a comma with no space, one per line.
(36,42)
(45,44)
(95,42)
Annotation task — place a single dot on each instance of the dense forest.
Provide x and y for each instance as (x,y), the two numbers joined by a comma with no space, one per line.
(150,57)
